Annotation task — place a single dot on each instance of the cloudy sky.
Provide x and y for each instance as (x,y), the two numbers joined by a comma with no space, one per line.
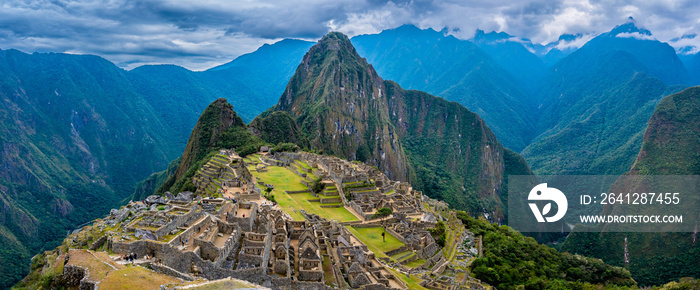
(204,33)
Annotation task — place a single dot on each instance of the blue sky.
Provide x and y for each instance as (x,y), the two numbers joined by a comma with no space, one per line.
(201,34)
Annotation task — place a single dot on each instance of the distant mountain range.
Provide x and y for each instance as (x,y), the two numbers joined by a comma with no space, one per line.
(78,133)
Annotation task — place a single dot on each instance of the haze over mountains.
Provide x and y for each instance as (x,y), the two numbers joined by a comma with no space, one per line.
(78,133)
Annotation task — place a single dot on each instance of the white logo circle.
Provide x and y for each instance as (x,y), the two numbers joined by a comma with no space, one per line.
(542,192)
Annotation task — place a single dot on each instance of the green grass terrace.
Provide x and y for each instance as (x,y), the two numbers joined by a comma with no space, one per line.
(372,237)
(284,180)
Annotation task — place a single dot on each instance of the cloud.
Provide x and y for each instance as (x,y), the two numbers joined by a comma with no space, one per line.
(204,33)
(635,35)
(575,43)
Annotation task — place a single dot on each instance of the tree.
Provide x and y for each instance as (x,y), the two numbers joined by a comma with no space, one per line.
(269,196)
(383,213)
(317,186)
(439,233)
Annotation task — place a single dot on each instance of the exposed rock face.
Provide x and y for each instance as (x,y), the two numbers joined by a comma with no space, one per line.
(155,199)
(147,235)
(117,215)
(184,196)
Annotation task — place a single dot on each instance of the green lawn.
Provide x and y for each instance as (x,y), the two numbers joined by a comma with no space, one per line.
(303,164)
(283,180)
(412,282)
(414,263)
(396,257)
(372,237)
(328,277)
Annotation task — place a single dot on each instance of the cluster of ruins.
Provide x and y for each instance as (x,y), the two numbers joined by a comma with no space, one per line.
(240,234)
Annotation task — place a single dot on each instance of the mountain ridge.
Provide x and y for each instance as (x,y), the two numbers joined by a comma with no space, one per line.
(670,147)
(340,103)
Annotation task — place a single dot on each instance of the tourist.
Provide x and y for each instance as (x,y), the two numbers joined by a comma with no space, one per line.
(136,257)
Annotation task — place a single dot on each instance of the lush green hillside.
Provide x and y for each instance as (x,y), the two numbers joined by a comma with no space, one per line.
(456,70)
(344,108)
(339,102)
(72,128)
(511,261)
(595,104)
(219,127)
(671,147)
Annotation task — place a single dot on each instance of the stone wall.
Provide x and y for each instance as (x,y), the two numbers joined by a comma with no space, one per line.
(396,235)
(207,250)
(374,287)
(331,200)
(163,269)
(175,223)
(189,232)
(310,275)
(297,191)
(396,251)
(98,243)
(72,274)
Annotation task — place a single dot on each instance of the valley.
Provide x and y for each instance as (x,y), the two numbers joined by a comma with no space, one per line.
(337,130)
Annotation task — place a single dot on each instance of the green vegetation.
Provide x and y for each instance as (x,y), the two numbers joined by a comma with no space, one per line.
(284,180)
(670,147)
(134,277)
(597,106)
(439,233)
(279,128)
(209,135)
(285,147)
(511,259)
(412,282)
(415,263)
(382,213)
(71,127)
(372,237)
(471,78)
(317,185)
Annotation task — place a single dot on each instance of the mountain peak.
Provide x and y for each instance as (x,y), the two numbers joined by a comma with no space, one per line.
(332,59)
(629,27)
(482,36)
(333,95)
(332,45)
(334,40)
(216,119)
